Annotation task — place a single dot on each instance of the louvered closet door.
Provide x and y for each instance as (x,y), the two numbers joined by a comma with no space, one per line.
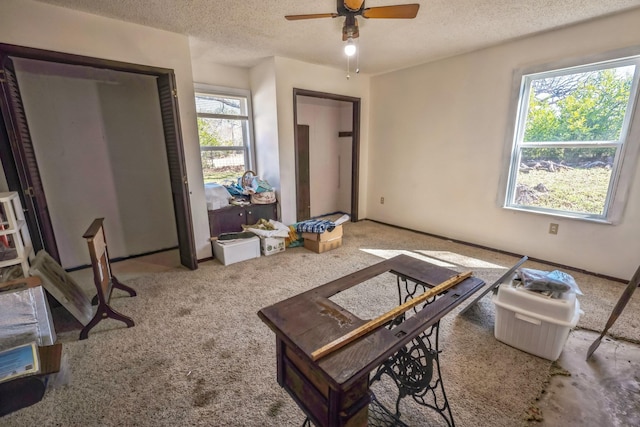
(34,199)
(177,169)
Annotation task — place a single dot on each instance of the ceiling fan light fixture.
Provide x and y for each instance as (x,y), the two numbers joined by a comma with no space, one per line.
(350,10)
(350,47)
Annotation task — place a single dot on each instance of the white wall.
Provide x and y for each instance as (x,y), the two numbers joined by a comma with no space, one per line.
(440,130)
(32,24)
(292,74)
(207,71)
(323,118)
(137,154)
(100,150)
(265,124)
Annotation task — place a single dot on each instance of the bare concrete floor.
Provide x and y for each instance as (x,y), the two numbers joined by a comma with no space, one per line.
(603,391)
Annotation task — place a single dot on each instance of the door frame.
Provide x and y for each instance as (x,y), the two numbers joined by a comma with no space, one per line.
(355,138)
(302,173)
(40,224)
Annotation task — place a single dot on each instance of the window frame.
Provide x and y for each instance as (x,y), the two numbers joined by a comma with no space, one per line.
(628,143)
(247,136)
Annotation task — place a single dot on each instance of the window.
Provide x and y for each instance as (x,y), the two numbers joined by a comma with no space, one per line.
(571,134)
(224,131)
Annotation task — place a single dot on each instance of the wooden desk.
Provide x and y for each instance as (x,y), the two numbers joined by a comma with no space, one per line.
(334,391)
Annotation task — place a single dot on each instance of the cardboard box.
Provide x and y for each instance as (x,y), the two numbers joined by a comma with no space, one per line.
(271,245)
(319,247)
(232,251)
(326,236)
(533,322)
(24,391)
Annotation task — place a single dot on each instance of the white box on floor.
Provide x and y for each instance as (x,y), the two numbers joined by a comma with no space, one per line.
(271,245)
(232,251)
(533,322)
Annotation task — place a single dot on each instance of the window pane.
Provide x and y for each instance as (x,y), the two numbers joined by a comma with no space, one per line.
(565,179)
(219,166)
(220,132)
(587,106)
(220,105)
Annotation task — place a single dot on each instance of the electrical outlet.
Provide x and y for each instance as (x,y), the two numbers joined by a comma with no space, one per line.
(553,228)
(382,200)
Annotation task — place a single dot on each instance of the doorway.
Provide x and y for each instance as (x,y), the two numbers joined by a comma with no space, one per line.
(21,167)
(327,169)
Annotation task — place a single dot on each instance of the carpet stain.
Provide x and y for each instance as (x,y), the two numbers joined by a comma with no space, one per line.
(556,369)
(232,377)
(274,408)
(153,293)
(204,398)
(201,395)
(533,414)
(209,344)
(184,312)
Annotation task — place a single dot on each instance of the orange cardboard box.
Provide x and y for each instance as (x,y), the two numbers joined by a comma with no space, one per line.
(324,237)
(322,246)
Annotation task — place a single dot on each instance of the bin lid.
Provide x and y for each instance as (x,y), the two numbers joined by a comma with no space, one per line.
(520,299)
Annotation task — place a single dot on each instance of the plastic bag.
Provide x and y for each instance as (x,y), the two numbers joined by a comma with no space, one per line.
(260,186)
(234,189)
(551,281)
(269,228)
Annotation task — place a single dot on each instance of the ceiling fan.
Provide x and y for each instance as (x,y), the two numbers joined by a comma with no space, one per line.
(352,8)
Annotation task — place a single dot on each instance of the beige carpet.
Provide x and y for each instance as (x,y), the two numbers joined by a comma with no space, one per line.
(199,355)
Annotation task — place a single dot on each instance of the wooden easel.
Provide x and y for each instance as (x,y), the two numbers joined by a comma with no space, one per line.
(103,279)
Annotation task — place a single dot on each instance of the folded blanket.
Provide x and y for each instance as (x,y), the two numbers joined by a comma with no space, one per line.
(315,226)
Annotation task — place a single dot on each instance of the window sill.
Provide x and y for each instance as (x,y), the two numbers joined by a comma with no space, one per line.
(567,215)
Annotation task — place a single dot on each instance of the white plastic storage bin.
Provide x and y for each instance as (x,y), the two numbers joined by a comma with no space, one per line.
(232,251)
(533,322)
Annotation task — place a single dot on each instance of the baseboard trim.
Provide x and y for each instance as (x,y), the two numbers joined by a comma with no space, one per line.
(475,245)
(114,260)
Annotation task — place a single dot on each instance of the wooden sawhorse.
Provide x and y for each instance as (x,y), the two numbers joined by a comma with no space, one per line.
(103,279)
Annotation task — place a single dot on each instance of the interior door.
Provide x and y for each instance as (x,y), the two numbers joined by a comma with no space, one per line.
(177,169)
(303,197)
(26,167)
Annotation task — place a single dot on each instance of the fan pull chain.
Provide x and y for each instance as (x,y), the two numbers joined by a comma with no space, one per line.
(358,57)
(357,70)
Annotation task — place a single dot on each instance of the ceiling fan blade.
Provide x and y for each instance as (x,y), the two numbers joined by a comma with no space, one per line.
(312,16)
(401,11)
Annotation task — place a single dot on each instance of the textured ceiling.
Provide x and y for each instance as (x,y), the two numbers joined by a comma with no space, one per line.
(241,32)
